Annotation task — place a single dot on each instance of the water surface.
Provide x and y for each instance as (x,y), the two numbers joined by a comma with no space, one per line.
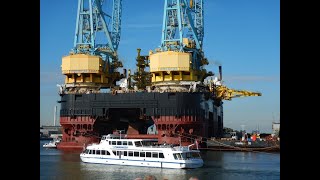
(55,164)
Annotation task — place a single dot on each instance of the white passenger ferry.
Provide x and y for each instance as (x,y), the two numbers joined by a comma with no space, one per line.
(140,152)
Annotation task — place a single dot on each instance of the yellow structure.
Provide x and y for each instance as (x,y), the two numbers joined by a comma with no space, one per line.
(191,3)
(224,93)
(171,66)
(82,69)
(188,43)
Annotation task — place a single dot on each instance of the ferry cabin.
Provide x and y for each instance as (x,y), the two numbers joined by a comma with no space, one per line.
(141,152)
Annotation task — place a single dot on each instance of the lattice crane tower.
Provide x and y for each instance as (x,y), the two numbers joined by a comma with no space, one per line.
(179,61)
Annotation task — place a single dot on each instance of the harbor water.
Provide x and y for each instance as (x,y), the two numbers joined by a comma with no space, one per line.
(55,164)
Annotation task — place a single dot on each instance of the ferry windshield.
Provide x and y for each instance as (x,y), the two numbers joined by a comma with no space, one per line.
(188,155)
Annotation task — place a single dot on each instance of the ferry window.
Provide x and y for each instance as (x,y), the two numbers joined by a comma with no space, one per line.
(154,154)
(93,151)
(109,142)
(103,138)
(184,156)
(98,152)
(136,154)
(103,152)
(108,153)
(179,155)
(137,143)
(119,142)
(144,143)
(148,143)
(114,152)
(189,155)
(175,156)
(113,143)
(130,153)
(89,152)
(195,155)
(161,155)
(148,154)
(142,154)
(125,142)
(130,143)
(125,153)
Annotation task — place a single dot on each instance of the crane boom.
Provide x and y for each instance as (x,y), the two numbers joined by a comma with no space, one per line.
(116,23)
(224,93)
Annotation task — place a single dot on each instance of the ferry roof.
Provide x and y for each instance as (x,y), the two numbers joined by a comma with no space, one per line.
(123,137)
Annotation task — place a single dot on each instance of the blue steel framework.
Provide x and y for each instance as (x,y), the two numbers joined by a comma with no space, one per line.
(91,20)
(183,20)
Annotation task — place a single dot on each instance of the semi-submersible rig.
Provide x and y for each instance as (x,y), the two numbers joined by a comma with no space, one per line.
(176,100)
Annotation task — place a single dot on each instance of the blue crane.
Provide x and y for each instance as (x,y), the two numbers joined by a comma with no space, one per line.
(183,20)
(92,23)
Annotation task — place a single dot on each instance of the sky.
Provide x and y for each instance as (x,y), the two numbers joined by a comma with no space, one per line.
(242,36)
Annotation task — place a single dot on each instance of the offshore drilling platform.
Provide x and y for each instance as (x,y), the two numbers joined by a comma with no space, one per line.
(175,101)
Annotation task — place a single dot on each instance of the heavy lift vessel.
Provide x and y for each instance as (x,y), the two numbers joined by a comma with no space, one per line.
(174,100)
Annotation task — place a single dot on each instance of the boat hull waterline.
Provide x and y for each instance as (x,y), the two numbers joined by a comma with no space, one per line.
(143,163)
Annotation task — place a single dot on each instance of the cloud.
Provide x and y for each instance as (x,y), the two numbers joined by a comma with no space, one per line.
(142,26)
(215,62)
(252,78)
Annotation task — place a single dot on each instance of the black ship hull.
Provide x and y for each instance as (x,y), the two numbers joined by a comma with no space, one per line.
(173,118)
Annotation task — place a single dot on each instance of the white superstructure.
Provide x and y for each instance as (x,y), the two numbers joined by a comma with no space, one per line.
(140,152)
